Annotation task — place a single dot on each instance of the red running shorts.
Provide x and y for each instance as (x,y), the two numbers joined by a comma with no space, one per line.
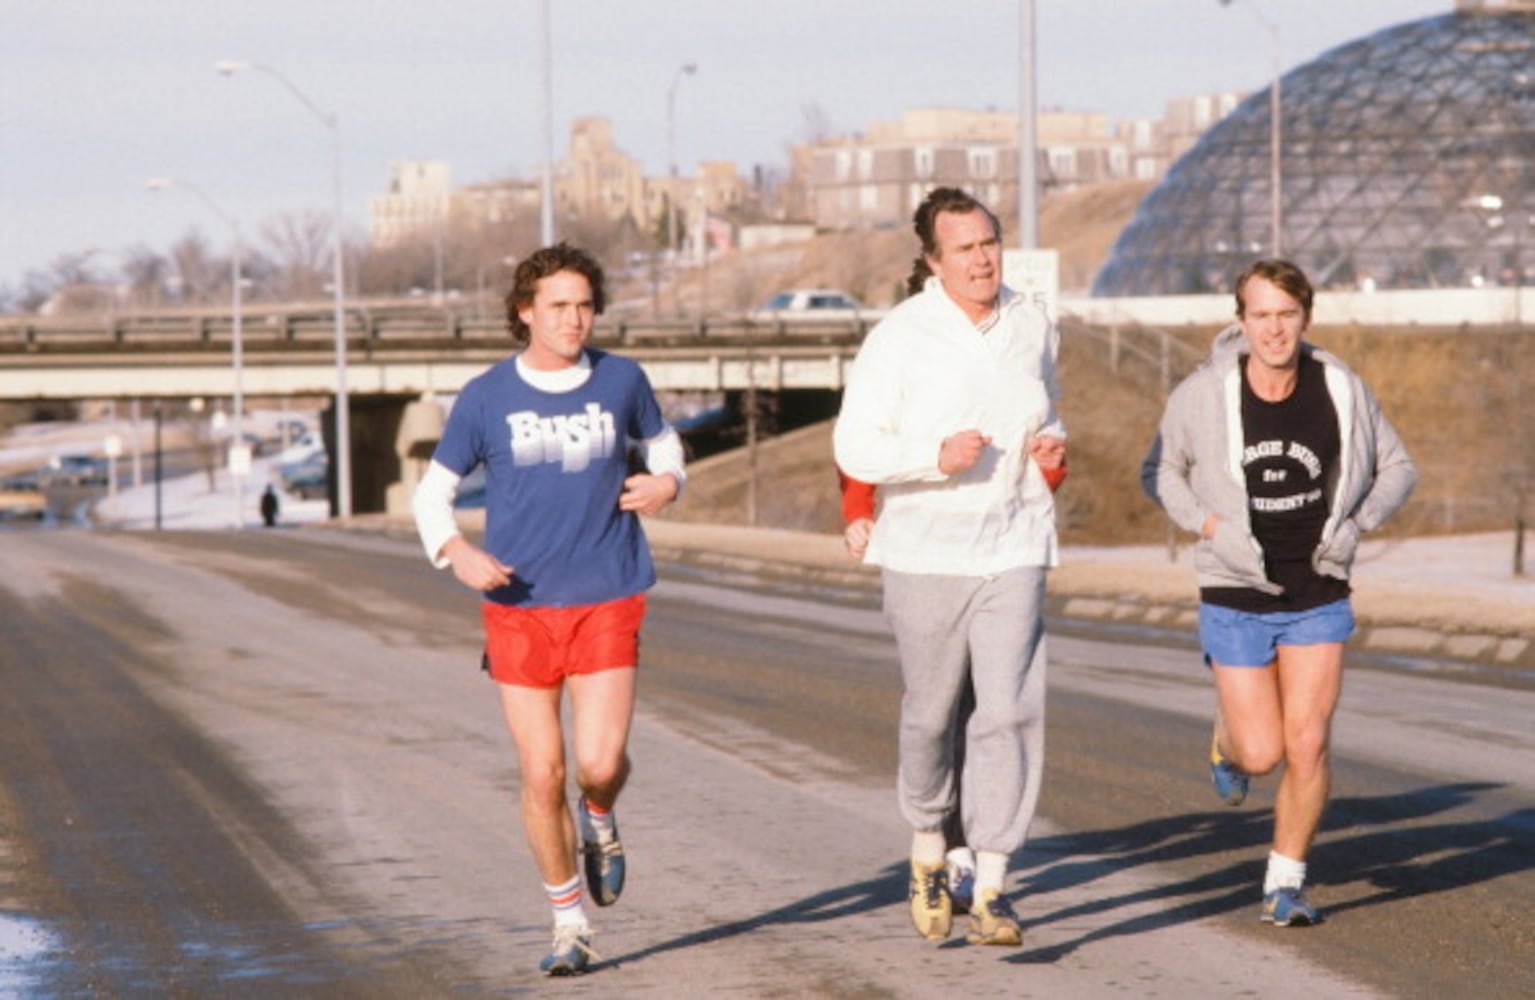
(540,647)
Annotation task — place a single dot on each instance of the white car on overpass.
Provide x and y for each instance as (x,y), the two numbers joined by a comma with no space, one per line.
(812,305)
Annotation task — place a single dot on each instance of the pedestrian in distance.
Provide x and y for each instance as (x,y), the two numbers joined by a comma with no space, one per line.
(1278,458)
(950,410)
(564,566)
(269,506)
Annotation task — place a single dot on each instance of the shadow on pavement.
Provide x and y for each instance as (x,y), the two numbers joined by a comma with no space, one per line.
(1379,841)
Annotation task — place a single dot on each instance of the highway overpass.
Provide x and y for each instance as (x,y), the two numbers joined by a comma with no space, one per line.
(389,353)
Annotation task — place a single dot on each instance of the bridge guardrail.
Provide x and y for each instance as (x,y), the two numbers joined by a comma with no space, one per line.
(385,328)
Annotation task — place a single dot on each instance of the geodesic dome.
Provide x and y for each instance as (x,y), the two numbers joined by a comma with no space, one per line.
(1408,161)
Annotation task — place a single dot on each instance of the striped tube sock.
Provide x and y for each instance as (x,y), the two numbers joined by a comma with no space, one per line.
(599,829)
(565,900)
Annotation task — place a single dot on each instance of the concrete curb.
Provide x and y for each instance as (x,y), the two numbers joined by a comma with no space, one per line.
(1134,592)
(1444,629)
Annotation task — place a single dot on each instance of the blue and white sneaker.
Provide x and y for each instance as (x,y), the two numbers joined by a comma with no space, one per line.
(1230,782)
(571,952)
(961,887)
(1285,906)
(602,861)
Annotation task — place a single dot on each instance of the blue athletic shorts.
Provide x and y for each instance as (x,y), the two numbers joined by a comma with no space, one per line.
(1247,639)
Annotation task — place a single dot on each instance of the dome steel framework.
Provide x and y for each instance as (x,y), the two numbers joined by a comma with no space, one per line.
(1408,161)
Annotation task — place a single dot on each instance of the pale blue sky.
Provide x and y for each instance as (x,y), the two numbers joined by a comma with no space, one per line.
(97,96)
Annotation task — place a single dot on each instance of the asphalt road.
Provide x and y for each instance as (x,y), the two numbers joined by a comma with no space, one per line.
(265,764)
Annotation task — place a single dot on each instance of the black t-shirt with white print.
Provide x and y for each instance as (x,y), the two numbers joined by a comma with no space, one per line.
(1289,456)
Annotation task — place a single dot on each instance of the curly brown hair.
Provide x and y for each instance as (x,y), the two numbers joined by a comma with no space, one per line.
(542,264)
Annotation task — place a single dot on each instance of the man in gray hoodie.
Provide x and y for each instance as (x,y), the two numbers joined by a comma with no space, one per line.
(1278,457)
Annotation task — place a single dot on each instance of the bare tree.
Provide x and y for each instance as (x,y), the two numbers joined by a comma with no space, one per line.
(145,272)
(199,271)
(299,244)
(815,124)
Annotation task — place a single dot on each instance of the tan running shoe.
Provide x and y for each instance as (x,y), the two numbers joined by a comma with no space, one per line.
(992,920)
(932,912)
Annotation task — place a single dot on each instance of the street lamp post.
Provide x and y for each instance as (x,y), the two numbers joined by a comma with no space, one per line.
(237,346)
(332,122)
(546,125)
(1028,155)
(1275,148)
(686,69)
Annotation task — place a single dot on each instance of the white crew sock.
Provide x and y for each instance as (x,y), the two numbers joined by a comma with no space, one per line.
(990,871)
(1283,872)
(927,847)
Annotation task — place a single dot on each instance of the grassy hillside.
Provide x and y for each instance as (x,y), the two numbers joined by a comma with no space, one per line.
(1453,396)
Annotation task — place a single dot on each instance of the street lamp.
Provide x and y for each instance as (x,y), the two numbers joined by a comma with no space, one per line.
(1275,150)
(686,69)
(332,122)
(238,467)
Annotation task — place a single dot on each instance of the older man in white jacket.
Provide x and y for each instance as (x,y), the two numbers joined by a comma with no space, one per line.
(950,408)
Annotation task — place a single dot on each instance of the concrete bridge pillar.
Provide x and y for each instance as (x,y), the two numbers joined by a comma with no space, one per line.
(420,429)
(375,422)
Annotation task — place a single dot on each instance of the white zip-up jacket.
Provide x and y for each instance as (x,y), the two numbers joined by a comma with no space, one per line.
(924,373)
(1194,469)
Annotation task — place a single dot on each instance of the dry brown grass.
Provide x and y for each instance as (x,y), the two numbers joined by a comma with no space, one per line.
(872,266)
(1449,394)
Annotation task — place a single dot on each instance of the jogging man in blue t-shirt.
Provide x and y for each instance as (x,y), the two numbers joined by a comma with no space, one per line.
(564,567)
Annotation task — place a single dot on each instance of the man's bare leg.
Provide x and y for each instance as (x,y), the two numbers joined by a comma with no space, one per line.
(602,711)
(1310,682)
(533,718)
(1249,726)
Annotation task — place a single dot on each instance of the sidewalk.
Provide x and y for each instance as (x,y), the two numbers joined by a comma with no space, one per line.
(188,502)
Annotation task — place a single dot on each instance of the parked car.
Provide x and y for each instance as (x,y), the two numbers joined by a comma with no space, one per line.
(76,470)
(798,305)
(307,478)
(307,444)
(21,498)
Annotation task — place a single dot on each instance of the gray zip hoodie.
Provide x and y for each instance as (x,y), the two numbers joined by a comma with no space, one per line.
(1194,468)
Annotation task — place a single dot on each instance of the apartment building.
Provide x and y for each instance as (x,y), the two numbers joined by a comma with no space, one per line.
(879,177)
(596,179)
(417,200)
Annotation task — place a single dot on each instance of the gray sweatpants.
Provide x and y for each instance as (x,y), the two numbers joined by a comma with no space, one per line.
(988,631)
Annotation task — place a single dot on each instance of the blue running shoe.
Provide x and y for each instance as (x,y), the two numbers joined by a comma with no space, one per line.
(602,861)
(961,887)
(1285,906)
(1230,783)
(571,952)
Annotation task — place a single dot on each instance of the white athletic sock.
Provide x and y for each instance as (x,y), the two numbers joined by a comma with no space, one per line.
(1283,872)
(990,871)
(565,900)
(927,847)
